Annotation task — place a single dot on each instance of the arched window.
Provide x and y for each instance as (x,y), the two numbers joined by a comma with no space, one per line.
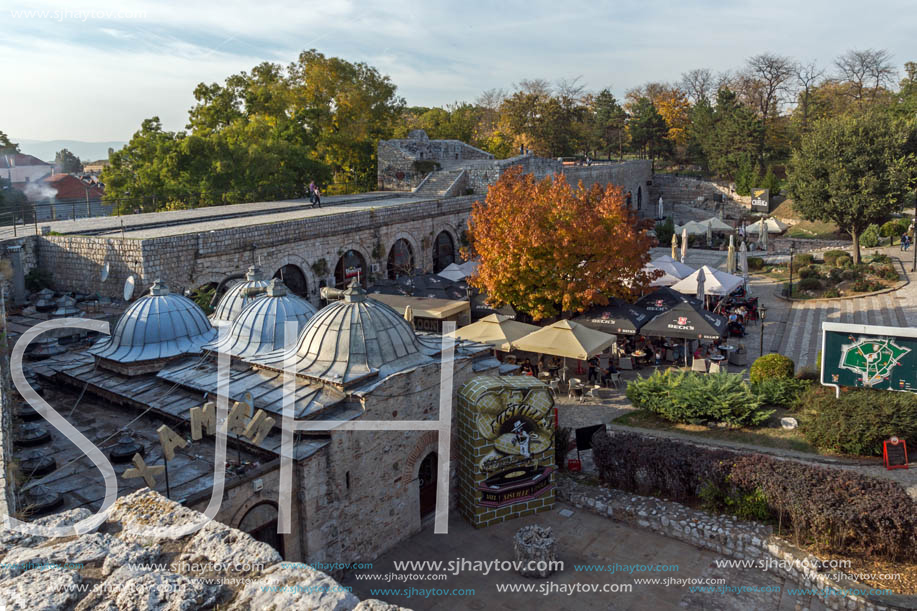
(400,259)
(294,279)
(261,523)
(443,252)
(351,265)
(427,482)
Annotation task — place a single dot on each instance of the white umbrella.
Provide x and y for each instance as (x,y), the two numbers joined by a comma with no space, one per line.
(672,266)
(763,240)
(731,257)
(409,314)
(709,236)
(453,272)
(660,212)
(684,244)
(700,285)
(744,252)
(674,245)
(717,225)
(716,282)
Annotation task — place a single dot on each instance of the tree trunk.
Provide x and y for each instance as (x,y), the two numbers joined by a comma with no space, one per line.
(856,246)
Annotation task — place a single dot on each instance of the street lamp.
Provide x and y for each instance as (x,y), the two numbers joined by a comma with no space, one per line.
(762,310)
(792,252)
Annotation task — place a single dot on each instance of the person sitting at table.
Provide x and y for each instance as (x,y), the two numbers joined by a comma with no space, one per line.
(527,367)
(593,364)
(554,366)
(541,368)
(660,355)
(607,371)
(699,353)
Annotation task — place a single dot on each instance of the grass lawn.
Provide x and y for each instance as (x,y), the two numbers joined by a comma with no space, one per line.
(767,436)
(806,229)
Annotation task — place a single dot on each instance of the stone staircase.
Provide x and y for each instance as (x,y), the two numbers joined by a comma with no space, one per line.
(438,184)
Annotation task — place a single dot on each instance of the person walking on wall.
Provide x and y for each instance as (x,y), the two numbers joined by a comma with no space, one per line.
(317,198)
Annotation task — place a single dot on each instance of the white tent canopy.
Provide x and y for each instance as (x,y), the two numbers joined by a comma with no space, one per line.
(717,225)
(716,282)
(693,228)
(453,272)
(772,224)
(671,266)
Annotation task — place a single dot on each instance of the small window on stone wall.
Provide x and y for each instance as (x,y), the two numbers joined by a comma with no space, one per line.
(347,479)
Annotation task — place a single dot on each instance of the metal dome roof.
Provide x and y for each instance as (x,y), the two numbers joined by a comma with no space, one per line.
(260,326)
(352,340)
(239,296)
(156,326)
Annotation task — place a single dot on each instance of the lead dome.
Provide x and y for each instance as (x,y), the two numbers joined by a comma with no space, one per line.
(239,296)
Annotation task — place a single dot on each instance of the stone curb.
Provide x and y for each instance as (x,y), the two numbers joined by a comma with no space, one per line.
(725,535)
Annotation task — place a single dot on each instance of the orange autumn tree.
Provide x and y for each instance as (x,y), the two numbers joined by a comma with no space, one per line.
(547,248)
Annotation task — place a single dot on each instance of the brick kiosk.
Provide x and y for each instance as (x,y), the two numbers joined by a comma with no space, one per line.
(506,449)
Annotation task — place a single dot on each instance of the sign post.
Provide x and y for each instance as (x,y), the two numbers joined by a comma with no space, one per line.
(869,356)
(894,453)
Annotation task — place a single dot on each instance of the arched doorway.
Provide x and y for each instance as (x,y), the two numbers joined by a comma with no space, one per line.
(261,523)
(295,280)
(639,198)
(426,478)
(400,259)
(443,252)
(351,265)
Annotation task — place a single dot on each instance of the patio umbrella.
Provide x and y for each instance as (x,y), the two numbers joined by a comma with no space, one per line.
(743,251)
(497,330)
(686,321)
(468,267)
(716,282)
(717,225)
(618,317)
(662,300)
(672,266)
(660,212)
(731,257)
(452,272)
(684,243)
(674,245)
(709,233)
(700,285)
(566,338)
(409,314)
(763,240)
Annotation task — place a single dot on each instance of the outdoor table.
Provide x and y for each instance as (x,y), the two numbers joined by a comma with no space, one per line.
(727,348)
(545,375)
(716,357)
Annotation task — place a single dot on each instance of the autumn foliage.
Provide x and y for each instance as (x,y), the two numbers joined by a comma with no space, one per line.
(547,248)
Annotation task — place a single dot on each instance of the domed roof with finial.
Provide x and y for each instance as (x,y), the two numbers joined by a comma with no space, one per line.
(260,326)
(158,325)
(238,296)
(352,340)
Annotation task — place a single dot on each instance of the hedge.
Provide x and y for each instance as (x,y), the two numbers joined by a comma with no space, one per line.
(784,392)
(858,421)
(830,256)
(771,366)
(755,263)
(838,511)
(803,258)
(688,397)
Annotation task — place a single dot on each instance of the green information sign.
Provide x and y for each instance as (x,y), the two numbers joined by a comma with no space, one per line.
(868,356)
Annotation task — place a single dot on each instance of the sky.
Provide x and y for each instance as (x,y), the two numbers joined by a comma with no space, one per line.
(94,70)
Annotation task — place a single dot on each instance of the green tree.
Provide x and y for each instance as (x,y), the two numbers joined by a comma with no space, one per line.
(647,129)
(854,171)
(67,162)
(609,123)
(733,141)
(7,147)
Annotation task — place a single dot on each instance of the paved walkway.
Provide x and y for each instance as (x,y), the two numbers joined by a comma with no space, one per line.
(583,538)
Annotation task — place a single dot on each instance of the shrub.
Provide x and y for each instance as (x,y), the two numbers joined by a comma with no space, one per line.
(875,285)
(879,257)
(858,421)
(755,263)
(809,272)
(894,228)
(771,366)
(691,398)
(835,275)
(37,279)
(830,256)
(844,261)
(832,292)
(870,236)
(803,258)
(809,284)
(840,511)
(664,231)
(887,272)
(861,286)
(850,274)
(783,392)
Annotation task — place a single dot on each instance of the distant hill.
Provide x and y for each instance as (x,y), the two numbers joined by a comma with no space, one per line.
(86,151)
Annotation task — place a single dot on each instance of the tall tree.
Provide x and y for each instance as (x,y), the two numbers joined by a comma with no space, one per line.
(7,147)
(808,77)
(699,84)
(867,70)
(67,162)
(765,85)
(548,248)
(609,123)
(648,130)
(854,171)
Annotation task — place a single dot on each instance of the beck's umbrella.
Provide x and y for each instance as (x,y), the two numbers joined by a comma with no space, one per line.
(686,321)
(684,244)
(618,317)
(662,300)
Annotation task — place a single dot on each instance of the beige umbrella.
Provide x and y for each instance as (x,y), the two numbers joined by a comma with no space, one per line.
(731,257)
(709,233)
(674,246)
(567,339)
(498,330)
(684,244)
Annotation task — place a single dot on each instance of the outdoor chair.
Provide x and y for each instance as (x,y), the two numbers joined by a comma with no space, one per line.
(554,385)
(614,379)
(715,367)
(575,388)
(699,365)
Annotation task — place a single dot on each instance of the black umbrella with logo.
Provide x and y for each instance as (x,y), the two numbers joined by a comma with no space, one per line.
(618,317)
(664,299)
(686,320)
